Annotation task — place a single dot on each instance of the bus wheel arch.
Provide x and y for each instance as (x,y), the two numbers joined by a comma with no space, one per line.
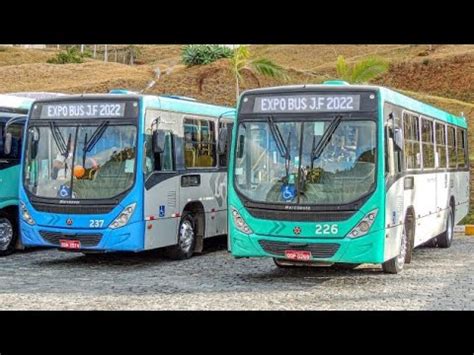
(193,217)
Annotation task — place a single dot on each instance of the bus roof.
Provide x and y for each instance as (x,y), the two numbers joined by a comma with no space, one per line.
(387,94)
(20,102)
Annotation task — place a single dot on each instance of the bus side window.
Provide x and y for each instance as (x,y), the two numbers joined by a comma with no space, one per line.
(460,147)
(411,132)
(199,143)
(427,143)
(451,147)
(440,133)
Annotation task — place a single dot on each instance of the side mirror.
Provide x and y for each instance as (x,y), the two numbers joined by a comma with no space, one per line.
(398,138)
(222,143)
(7,146)
(159,141)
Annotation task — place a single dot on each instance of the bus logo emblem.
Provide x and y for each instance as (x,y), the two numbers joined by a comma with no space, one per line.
(297,230)
(162,211)
(69,221)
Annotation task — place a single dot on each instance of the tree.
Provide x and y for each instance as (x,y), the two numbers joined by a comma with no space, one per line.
(241,63)
(132,53)
(362,71)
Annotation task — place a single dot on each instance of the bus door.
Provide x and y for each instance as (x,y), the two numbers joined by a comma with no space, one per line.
(162,210)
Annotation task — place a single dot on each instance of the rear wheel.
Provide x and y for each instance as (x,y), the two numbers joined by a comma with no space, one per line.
(8,236)
(445,239)
(395,265)
(184,249)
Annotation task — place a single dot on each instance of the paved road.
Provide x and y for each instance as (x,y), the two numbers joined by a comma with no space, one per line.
(48,279)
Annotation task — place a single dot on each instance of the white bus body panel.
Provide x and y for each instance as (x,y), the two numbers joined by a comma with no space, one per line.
(430,200)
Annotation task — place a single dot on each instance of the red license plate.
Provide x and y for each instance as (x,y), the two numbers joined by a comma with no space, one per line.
(298,254)
(70,244)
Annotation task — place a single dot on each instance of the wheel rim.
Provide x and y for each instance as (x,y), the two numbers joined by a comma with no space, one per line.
(186,236)
(6,234)
(403,249)
(449,231)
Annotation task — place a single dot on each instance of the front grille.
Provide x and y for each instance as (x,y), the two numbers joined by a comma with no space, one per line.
(72,209)
(87,240)
(318,250)
(300,216)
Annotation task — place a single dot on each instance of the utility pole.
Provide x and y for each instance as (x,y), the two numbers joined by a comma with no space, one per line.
(82,48)
(95,50)
(106,54)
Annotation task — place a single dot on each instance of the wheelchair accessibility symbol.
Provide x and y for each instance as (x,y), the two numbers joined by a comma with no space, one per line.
(162,211)
(64,191)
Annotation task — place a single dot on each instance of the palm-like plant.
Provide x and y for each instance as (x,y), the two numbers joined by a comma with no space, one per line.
(241,63)
(362,71)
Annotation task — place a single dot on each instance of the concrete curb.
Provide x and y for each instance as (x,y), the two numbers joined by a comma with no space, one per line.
(467,229)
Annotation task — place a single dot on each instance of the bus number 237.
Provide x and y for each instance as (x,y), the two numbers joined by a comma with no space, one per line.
(325,229)
(96,223)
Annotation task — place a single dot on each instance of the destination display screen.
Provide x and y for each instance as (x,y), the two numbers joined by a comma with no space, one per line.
(86,109)
(306,103)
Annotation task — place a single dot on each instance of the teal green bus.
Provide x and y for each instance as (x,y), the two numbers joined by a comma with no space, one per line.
(14,108)
(342,175)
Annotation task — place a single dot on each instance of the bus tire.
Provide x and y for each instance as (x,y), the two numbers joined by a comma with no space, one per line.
(8,236)
(395,265)
(445,239)
(184,249)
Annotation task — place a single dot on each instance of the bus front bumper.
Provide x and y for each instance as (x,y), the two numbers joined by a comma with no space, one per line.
(365,249)
(126,238)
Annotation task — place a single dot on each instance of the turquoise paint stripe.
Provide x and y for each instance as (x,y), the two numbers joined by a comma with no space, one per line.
(421,107)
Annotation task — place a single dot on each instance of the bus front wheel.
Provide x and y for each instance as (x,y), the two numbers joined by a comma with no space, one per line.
(8,236)
(395,265)
(184,249)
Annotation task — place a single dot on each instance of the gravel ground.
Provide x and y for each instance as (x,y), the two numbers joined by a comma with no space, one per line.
(437,279)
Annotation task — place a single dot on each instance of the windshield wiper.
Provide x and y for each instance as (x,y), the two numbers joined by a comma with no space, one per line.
(96,136)
(316,151)
(284,149)
(58,138)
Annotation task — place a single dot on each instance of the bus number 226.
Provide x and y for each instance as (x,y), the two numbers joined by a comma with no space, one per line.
(326,229)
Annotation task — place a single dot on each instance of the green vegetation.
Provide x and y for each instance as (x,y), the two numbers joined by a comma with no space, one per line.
(204,54)
(362,71)
(241,63)
(70,55)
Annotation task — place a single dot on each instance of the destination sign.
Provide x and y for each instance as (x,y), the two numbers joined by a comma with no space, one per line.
(306,103)
(86,109)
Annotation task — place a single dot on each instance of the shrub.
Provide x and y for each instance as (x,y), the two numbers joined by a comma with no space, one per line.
(70,55)
(204,54)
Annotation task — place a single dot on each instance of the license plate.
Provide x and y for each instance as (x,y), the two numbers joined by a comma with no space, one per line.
(298,254)
(70,244)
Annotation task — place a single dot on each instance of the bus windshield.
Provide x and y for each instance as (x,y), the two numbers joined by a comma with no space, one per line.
(312,162)
(80,161)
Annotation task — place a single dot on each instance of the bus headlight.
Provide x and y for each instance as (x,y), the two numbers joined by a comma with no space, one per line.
(363,227)
(240,223)
(26,215)
(123,217)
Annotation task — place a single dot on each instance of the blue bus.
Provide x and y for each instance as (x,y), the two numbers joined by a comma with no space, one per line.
(125,172)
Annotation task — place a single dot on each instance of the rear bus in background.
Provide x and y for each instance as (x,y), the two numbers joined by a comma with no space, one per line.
(125,172)
(341,174)
(14,108)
